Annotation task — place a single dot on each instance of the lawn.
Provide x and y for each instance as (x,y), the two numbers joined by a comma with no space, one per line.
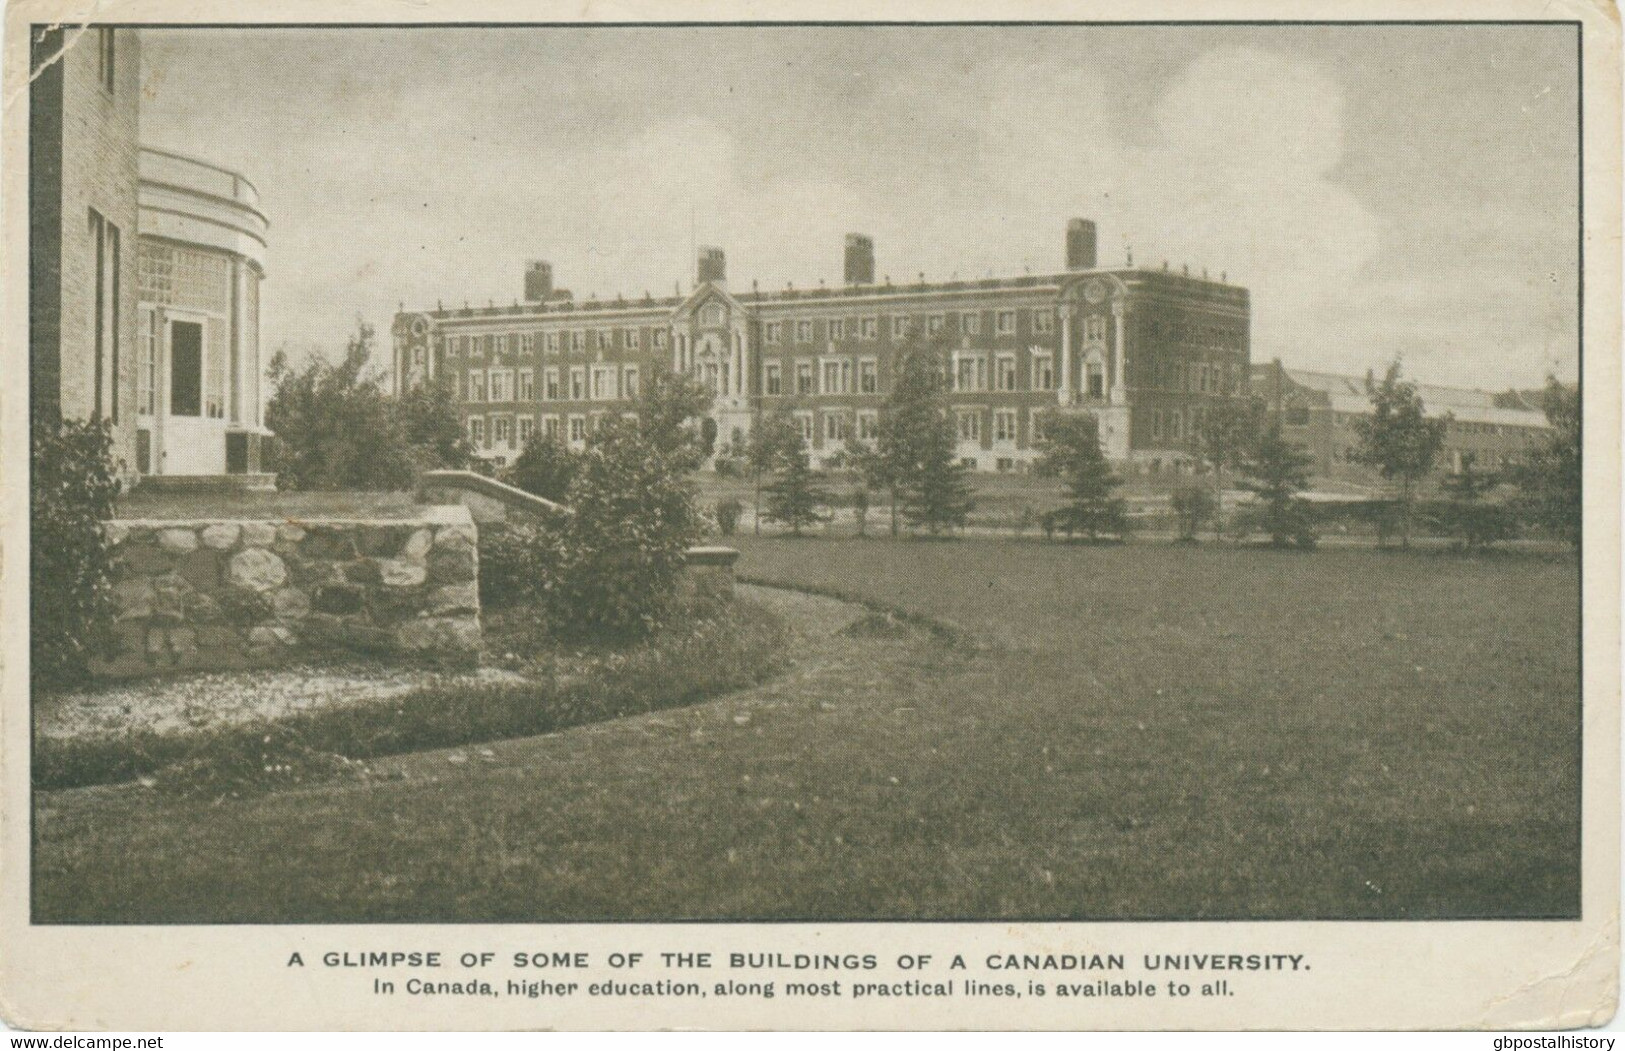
(1134,732)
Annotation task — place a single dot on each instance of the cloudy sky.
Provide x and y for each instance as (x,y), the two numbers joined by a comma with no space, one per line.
(1381,190)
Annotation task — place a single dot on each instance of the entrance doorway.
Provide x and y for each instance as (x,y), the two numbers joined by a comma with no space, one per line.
(193,443)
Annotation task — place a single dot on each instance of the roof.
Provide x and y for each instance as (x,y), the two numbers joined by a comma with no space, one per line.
(1467,404)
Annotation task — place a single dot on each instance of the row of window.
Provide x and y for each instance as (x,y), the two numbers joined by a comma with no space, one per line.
(1196,377)
(492,344)
(968,322)
(579,383)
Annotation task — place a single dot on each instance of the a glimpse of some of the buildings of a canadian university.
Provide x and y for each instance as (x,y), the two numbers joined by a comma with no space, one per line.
(144,310)
(145,271)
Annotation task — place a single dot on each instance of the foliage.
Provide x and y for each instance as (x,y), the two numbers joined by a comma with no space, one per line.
(519,564)
(1193,505)
(1071,452)
(621,550)
(774,435)
(727,513)
(1465,515)
(1275,472)
(874,471)
(72,488)
(545,467)
(337,428)
(1398,439)
(917,444)
(1229,429)
(667,407)
(795,496)
(860,509)
(1549,478)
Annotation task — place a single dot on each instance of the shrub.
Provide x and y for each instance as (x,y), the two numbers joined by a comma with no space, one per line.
(728,512)
(621,551)
(1193,505)
(545,468)
(519,563)
(70,565)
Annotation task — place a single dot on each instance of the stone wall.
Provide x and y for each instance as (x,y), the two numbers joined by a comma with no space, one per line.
(233,594)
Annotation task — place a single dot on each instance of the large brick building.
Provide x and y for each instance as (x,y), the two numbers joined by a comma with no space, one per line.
(1318,411)
(144,272)
(1145,350)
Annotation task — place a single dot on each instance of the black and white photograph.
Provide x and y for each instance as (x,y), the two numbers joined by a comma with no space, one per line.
(565,477)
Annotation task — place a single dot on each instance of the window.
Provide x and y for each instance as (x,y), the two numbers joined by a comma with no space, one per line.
(502,344)
(605,339)
(970,323)
(578,339)
(490,344)
(868,376)
(660,339)
(772,382)
(527,343)
(527,385)
(1096,373)
(1043,372)
(1043,321)
(933,324)
(552,342)
(836,427)
(804,377)
(502,430)
(868,426)
(476,385)
(1004,323)
(185,368)
(106,53)
(146,379)
(771,331)
(1094,327)
(1036,427)
(1004,425)
(899,326)
(603,383)
(476,429)
(1156,424)
(837,330)
(550,385)
(837,376)
(104,237)
(550,428)
(804,421)
(970,426)
(527,427)
(970,372)
(578,383)
(869,328)
(501,385)
(803,331)
(629,338)
(1004,372)
(578,428)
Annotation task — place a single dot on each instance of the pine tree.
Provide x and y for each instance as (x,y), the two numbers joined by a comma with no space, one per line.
(1071,452)
(917,446)
(1398,439)
(1276,472)
(1229,428)
(774,436)
(1474,522)
(795,497)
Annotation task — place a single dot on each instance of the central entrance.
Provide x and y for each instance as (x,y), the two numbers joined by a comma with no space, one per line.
(193,442)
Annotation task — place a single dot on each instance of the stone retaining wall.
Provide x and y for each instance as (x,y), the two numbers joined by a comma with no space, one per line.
(233,594)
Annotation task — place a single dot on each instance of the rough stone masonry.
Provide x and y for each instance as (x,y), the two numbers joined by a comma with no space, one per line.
(234,593)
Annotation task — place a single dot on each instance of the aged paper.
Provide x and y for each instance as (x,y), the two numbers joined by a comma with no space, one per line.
(1074,714)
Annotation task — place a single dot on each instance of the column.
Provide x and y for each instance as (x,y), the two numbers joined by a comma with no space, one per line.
(1119,391)
(1063,390)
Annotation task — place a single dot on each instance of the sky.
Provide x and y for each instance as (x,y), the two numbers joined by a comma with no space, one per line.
(1382,191)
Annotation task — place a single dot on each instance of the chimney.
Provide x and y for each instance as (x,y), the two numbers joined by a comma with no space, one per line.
(860,260)
(711,266)
(538,281)
(1080,244)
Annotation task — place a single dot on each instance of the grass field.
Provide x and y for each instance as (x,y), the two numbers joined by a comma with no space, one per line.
(1135,732)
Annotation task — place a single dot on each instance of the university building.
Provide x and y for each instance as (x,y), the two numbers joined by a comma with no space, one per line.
(1319,410)
(144,273)
(1146,351)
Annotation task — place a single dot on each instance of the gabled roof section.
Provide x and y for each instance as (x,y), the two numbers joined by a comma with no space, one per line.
(706,292)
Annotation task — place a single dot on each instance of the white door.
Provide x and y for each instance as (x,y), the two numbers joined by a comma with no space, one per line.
(193,443)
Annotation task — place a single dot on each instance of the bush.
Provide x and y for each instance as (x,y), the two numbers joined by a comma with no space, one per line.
(728,512)
(70,564)
(545,468)
(621,551)
(1193,507)
(519,564)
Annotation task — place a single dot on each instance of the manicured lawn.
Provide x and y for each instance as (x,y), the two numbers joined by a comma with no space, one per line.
(1137,732)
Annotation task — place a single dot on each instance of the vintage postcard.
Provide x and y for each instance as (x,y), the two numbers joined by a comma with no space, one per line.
(825,515)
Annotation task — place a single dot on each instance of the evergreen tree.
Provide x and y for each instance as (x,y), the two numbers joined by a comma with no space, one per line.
(1276,471)
(917,446)
(795,497)
(432,427)
(1071,451)
(775,435)
(1549,478)
(1398,439)
(1468,517)
(1229,428)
